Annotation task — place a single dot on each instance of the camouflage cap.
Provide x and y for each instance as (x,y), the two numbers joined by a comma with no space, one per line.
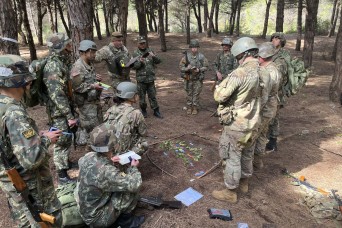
(281,37)
(102,138)
(267,50)
(194,43)
(57,42)
(14,71)
(141,39)
(117,35)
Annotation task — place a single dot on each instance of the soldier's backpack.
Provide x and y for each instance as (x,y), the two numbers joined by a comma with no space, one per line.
(70,212)
(297,76)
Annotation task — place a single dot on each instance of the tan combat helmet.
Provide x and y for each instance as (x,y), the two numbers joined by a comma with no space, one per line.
(194,43)
(267,50)
(281,37)
(57,42)
(243,45)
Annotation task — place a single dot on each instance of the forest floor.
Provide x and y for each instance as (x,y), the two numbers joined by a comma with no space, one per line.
(310,145)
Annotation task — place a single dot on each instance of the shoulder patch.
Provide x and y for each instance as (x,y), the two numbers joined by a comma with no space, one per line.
(29,133)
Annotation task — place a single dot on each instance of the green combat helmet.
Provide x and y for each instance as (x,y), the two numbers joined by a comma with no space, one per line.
(57,42)
(14,71)
(281,37)
(227,41)
(194,44)
(85,45)
(126,90)
(267,50)
(243,45)
(102,139)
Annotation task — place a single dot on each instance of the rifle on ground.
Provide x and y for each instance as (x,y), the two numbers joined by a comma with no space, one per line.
(159,202)
(43,219)
(337,198)
(133,60)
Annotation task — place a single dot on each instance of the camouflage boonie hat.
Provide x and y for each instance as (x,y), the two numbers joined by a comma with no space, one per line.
(57,42)
(102,138)
(14,71)
(267,50)
(281,37)
(141,39)
(194,43)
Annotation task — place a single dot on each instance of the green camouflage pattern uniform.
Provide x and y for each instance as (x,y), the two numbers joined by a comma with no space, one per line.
(238,96)
(86,98)
(146,75)
(194,85)
(114,58)
(59,109)
(225,63)
(104,191)
(130,127)
(28,153)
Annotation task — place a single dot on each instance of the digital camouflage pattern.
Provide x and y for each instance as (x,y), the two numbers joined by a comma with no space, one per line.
(146,75)
(104,191)
(115,58)
(239,110)
(225,63)
(86,98)
(193,86)
(28,153)
(130,127)
(59,109)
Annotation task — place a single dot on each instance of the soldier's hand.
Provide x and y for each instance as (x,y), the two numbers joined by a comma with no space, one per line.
(134,162)
(97,86)
(72,122)
(98,77)
(52,135)
(189,67)
(151,54)
(142,59)
(115,159)
(219,76)
(196,70)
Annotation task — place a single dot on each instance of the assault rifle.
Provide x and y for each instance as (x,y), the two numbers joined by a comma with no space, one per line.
(133,60)
(43,219)
(338,200)
(158,202)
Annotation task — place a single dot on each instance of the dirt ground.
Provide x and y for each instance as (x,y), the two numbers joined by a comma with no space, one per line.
(310,144)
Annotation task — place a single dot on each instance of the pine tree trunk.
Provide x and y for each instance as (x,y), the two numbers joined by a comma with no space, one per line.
(334,53)
(140,8)
(123,16)
(161,25)
(280,16)
(332,30)
(20,23)
(30,16)
(237,29)
(105,17)
(40,22)
(188,24)
(210,29)
(56,15)
(50,15)
(33,52)
(267,15)
(299,25)
(206,15)
(166,16)
(97,23)
(8,28)
(197,15)
(232,17)
(61,14)
(332,19)
(217,11)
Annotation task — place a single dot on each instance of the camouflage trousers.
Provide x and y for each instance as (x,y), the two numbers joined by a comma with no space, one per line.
(193,90)
(149,89)
(273,129)
(61,149)
(42,190)
(90,116)
(261,141)
(238,161)
(119,203)
(116,80)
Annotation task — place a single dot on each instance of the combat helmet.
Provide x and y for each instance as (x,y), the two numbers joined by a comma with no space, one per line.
(267,50)
(242,45)
(281,37)
(57,42)
(126,90)
(102,138)
(227,41)
(85,45)
(14,71)
(194,43)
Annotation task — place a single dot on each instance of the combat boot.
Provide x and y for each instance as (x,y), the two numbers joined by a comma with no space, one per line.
(271,146)
(194,110)
(157,114)
(127,220)
(63,177)
(144,112)
(73,165)
(258,163)
(189,110)
(243,186)
(228,195)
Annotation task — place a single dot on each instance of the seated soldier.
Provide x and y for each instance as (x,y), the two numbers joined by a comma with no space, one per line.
(106,191)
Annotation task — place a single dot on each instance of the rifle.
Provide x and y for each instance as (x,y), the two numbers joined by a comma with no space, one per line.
(73,112)
(186,75)
(158,202)
(133,60)
(339,201)
(43,219)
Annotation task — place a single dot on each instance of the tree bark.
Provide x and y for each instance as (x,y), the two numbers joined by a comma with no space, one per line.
(299,25)
(20,23)
(50,14)
(30,16)
(161,26)
(56,16)
(210,29)
(332,18)
(280,15)
(336,40)
(8,28)
(123,17)
(232,17)
(33,52)
(140,8)
(194,4)
(40,16)
(237,29)
(97,22)
(333,26)
(188,23)
(166,16)
(105,17)
(205,15)
(61,14)
(217,12)
(267,15)
(309,37)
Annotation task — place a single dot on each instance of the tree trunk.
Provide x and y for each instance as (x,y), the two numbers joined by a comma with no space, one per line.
(8,28)
(332,29)
(30,16)
(280,15)
(26,22)
(232,17)
(267,15)
(40,16)
(154,22)
(81,13)
(217,11)
(56,16)
(237,29)
(161,26)
(188,24)
(20,23)
(206,15)
(149,19)
(140,8)
(105,17)
(336,40)
(210,29)
(97,22)
(299,25)
(61,14)
(50,15)
(195,4)
(309,37)
(332,19)
(166,16)
(123,16)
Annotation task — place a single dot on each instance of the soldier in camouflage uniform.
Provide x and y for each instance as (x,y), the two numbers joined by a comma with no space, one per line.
(193,65)
(239,111)
(225,62)
(24,147)
(129,123)
(87,91)
(145,74)
(116,56)
(59,105)
(106,191)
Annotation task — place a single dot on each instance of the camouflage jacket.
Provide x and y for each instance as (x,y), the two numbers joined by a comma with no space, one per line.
(56,78)
(101,185)
(130,127)
(83,77)
(145,71)
(113,57)
(238,96)
(225,63)
(199,61)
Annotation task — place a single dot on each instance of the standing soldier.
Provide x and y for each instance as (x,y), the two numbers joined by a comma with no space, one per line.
(239,111)
(146,75)
(23,148)
(116,56)
(59,105)
(193,65)
(87,91)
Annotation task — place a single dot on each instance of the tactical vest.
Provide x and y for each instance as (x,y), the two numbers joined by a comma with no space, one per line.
(118,67)
(197,62)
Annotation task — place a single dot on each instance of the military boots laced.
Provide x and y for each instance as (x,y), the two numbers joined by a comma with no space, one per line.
(271,146)
(157,113)
(228,195)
